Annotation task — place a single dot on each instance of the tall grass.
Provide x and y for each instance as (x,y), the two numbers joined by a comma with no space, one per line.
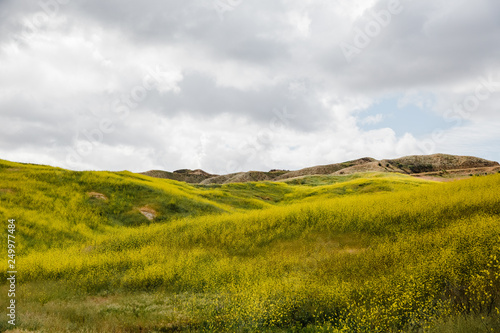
(375,254)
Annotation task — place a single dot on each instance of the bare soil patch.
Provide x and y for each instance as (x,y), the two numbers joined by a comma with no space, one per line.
(351,250)
(97,195)
(148,212)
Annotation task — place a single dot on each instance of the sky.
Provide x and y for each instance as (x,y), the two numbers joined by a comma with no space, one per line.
(238,85)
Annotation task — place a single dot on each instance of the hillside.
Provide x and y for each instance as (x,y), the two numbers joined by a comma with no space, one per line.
(242,177)
(360,252)
(438,166)
(76,202)
(183,175)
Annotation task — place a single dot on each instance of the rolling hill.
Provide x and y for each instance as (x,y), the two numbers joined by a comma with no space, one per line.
(363,251)
(437,165)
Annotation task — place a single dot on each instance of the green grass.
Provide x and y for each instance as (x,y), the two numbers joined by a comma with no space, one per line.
(369,252)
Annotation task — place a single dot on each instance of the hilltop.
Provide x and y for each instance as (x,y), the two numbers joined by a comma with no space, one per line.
(183,175)
(428,166)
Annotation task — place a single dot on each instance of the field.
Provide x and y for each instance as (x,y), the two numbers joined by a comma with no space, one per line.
(368,252)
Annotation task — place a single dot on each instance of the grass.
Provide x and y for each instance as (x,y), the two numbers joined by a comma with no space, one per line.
(369,252)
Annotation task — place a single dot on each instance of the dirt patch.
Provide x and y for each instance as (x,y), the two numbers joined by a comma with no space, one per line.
(6,190)
(148,212)
(97,195)
(88,249)
(351,250)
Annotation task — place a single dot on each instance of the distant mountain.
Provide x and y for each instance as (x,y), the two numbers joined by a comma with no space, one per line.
(417,165)
(183,175)
(327,169)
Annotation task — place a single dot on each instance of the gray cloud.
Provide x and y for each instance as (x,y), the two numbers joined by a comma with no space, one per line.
(68,66)
(199,95)
(428,44)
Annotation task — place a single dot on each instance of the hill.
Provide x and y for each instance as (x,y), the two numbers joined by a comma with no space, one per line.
(78,204)
(360,252)
(183,175)
(242,177)
(437,166)
(326,169)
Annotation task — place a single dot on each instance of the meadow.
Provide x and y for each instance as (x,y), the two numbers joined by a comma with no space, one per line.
(370,252)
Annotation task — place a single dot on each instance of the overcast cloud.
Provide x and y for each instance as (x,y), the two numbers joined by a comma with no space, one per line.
(234,85)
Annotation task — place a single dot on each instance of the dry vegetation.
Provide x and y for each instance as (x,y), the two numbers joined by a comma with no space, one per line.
(434,165)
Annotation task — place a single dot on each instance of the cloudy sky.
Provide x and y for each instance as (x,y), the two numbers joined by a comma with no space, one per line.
(228,85)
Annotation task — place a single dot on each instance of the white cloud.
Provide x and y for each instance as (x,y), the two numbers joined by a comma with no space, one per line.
(301,22)
(372,120)
(221,81)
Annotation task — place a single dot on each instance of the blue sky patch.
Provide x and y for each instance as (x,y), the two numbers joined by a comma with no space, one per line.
(406,119)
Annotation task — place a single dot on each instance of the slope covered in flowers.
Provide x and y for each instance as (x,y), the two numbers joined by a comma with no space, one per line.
(360,253)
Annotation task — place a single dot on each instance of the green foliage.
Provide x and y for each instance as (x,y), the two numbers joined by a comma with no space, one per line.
(421,168)
(361,253)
